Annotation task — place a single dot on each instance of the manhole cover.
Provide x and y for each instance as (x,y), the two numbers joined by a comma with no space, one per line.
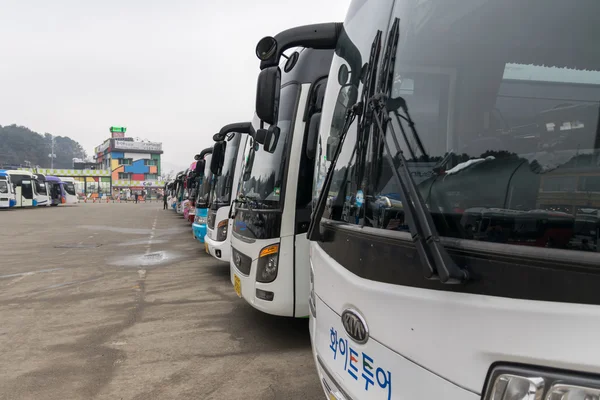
(77,246)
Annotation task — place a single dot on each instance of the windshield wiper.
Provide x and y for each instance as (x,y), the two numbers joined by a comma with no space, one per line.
(242,200)
(437,263)
(435,258)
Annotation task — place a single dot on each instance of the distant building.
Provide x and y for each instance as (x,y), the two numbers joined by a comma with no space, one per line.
(134,164)
(78,163)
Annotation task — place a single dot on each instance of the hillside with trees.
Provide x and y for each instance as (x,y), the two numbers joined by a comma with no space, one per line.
(20,145)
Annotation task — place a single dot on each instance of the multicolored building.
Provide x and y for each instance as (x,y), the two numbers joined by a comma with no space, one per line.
(134,165)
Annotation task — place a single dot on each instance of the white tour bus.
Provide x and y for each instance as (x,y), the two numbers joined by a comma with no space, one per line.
(226,165)
(24,185)
(70,191)
(7,191)
(269,263)
(453,145)
(43,197)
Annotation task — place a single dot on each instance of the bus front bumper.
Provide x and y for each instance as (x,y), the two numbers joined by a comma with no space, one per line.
(219,250)
(199,231)
(275,298)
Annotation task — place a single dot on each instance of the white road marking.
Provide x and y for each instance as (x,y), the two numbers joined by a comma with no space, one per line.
(18,279)
(151,237)
(29,273)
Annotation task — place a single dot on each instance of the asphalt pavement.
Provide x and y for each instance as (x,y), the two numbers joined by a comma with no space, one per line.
(118,301)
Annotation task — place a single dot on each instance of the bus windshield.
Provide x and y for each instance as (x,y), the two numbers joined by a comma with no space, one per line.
(18,178)
(69,188)
(506,106)
(224,183)
(203,197)
(40,187)
(267,174)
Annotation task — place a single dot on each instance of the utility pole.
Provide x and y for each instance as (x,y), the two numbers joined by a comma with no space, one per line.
(52,155)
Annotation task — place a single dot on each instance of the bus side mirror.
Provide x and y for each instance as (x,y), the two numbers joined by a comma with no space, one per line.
(313,132)
(260,135)
(267,94)
(218,157)
(200,165)
(271,138)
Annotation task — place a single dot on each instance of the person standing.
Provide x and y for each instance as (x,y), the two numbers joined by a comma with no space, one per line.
(135,195)
(165,204)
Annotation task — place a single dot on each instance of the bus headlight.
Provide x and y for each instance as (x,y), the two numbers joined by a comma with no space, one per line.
(561,391)
(514,387)
(222,230)
(525,383)
(268,259)
(200,220)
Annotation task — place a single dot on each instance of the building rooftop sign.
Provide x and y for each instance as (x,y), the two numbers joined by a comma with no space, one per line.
(117,131)
(145,146)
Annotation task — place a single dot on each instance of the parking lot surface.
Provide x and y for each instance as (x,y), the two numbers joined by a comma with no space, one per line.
(118,301)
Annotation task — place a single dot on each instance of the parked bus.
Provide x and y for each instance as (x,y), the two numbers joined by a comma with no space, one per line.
(56,190)
(204,178)
(189,212)
(69,189)
(269,267)
(540,228)
(177,191)
(7,191)
(43,197)
(180,192)
(227,171)
(406,301)
(169,192)
(25,193)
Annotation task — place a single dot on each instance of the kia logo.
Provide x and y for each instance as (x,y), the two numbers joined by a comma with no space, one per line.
(355,325)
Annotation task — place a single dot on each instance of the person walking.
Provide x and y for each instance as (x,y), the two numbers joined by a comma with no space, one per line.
(135,195)
(165,204)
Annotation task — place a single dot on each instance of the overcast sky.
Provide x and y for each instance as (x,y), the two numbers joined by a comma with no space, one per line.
(169,70)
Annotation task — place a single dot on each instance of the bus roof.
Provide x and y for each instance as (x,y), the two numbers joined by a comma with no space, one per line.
(66,179)
(18,172)
(50,178)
